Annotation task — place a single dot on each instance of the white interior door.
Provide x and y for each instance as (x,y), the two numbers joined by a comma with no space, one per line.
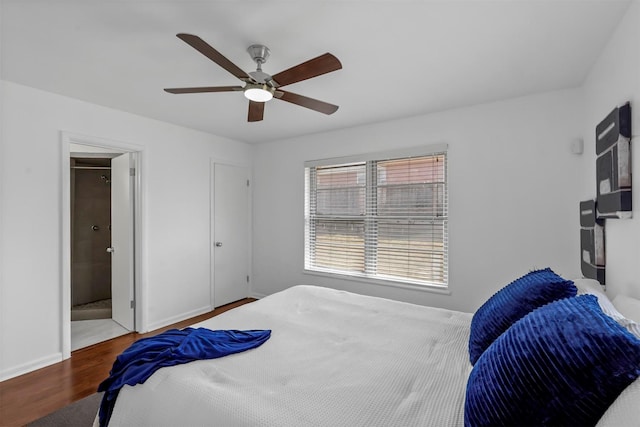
(122,267)
(230,234)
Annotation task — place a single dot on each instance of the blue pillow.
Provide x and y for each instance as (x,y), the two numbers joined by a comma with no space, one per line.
(562,364)
(511,303)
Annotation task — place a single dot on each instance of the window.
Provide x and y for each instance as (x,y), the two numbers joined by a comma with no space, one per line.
(382,218)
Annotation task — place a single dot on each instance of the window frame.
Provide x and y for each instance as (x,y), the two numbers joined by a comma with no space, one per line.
(371,192)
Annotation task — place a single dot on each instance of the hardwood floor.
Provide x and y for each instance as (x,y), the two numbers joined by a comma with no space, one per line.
(28,397)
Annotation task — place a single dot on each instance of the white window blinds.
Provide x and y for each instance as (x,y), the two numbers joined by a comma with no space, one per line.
(384,219)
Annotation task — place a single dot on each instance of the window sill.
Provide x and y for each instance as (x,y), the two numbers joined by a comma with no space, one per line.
(442,290)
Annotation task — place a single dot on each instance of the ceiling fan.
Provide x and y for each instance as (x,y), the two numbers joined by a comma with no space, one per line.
(261,87)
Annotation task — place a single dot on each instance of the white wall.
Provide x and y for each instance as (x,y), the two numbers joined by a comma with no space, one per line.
(514,192)
(614,80)
(176,174)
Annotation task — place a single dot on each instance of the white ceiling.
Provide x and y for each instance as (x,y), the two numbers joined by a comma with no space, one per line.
(400,58)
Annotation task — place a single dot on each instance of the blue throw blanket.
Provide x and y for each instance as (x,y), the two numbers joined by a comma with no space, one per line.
(173,347)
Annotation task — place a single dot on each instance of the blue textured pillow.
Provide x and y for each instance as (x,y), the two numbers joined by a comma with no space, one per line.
(562,364)
(511,303)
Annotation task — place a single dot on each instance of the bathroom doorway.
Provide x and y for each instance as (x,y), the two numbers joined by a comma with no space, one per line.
(90,236)
(91,245)
(99,283)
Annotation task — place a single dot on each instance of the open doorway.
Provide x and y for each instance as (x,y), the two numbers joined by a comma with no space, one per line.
(99,234)
(91,295)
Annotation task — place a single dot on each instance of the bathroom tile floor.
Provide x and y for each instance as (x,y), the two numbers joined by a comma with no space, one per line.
(88,332)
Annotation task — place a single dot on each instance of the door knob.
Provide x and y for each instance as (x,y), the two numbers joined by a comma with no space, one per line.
(110,249)
(218,244)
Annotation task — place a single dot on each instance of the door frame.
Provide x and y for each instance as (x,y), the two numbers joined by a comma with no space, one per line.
(212,188)
(68,138)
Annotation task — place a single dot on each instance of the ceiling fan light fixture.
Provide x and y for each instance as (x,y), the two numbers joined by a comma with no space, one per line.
(258,92)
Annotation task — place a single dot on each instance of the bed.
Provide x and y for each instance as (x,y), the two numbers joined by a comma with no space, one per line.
(334,358)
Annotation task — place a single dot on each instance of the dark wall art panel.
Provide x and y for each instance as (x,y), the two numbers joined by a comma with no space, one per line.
(613,164)
(592,253)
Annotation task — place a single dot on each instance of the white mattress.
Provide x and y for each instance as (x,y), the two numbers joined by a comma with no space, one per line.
(334,359)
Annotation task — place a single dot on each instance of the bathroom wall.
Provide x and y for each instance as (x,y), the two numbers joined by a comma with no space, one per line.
(90,261)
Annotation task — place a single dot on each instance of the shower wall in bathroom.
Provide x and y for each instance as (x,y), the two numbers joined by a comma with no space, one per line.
(91,235)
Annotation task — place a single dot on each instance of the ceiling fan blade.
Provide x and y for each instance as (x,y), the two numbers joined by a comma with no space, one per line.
(204,89)
(256,111)
(312,68)
(313,104)
(204,48)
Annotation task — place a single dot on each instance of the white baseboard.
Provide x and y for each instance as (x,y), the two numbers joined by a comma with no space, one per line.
(257,295)
(178,318)
(30,366)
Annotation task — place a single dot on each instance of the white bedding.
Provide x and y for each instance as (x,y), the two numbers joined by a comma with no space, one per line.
(334,359)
